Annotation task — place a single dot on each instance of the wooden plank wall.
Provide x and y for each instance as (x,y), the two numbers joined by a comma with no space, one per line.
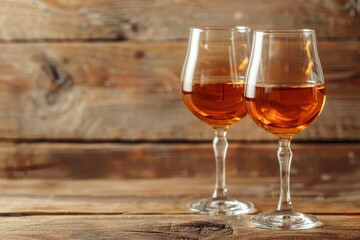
(90,89)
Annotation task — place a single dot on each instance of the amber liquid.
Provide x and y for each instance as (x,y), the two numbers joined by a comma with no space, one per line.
(218,104)
(285,110)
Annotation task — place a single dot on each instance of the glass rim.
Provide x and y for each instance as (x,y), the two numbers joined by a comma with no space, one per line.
(220,28)
(284,31)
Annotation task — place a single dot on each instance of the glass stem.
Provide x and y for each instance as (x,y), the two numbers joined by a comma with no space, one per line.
(284,155)
(220,145)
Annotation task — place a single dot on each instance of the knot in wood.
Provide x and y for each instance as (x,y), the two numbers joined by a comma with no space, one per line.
(203,228)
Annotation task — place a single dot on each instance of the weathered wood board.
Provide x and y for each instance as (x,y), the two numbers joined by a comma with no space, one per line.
(168,20)
(131,91)
(170,195)
(166,227)
(159,160)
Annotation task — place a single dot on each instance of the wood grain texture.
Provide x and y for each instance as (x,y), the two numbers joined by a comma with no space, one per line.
(166,227)
(169,195)
(318,162)
(130,91)
(168,20)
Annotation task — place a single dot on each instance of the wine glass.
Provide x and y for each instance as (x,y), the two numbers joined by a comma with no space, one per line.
(284,93)
(213,90)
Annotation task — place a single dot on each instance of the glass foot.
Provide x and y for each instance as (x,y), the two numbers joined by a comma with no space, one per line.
(215,206)
(285,221)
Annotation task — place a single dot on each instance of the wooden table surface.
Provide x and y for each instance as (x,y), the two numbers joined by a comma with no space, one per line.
(156,209)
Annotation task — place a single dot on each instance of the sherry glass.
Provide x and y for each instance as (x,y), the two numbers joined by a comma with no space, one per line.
(284,93)
(212,82)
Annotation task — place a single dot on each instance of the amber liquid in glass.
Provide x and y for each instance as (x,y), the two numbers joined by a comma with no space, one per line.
(219,104)
(285,110)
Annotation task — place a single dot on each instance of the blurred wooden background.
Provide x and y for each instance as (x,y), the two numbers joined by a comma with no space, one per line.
(90,89)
